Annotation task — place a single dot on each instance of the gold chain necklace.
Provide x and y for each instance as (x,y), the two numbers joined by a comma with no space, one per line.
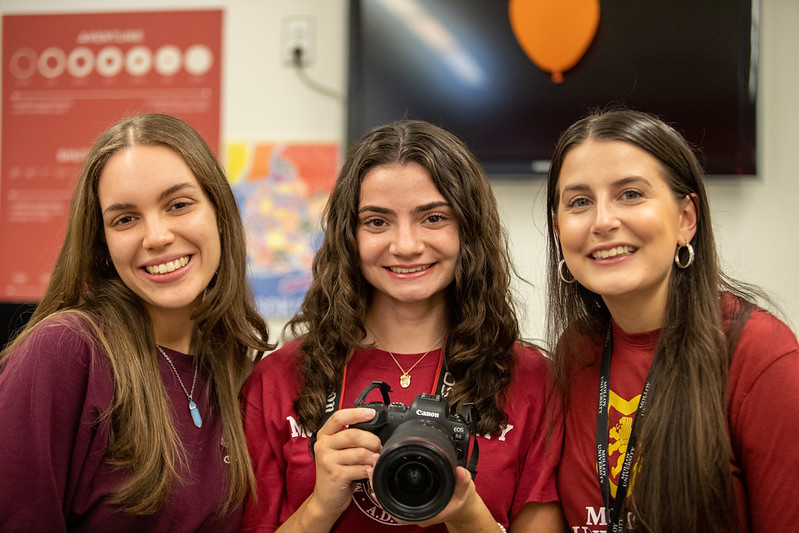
(405,378)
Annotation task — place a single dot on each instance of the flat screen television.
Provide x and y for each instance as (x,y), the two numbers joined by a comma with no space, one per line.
(458,64)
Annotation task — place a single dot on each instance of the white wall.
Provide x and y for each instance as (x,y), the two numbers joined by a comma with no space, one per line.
(756,221)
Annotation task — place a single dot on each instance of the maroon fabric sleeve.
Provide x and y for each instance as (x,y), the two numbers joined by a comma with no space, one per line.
(54,475)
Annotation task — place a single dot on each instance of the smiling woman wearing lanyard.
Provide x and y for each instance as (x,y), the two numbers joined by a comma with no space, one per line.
(689,386)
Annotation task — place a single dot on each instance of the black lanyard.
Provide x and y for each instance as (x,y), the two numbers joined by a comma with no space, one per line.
(614,508)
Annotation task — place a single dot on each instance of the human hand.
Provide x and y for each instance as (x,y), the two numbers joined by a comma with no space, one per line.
(343,455)
(465,508)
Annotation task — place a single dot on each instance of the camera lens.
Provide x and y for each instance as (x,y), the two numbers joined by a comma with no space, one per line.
(413,482)
(414,477)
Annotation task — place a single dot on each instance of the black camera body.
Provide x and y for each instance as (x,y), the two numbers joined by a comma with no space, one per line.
(423,444)
(425,410)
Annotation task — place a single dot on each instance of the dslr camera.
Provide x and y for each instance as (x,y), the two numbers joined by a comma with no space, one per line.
(423,444)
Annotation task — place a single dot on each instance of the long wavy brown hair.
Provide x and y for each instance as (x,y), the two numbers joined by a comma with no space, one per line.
(683,480)
(481,319)
(229,334)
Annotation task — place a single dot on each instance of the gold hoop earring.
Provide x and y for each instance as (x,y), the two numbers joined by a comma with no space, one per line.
(690,259)
(560,272)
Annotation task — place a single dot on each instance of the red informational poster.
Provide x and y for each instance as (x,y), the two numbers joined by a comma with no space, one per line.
(66,78)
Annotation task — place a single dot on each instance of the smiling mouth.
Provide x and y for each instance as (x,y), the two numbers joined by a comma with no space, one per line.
(171,266)
(613,252)
(401,270)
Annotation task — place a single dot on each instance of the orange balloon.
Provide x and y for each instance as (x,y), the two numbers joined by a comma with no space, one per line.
(554,34)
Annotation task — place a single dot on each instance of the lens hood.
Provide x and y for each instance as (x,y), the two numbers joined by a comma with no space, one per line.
(414,478)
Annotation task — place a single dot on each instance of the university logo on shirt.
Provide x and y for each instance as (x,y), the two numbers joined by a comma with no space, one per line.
(366,502)
(620,413)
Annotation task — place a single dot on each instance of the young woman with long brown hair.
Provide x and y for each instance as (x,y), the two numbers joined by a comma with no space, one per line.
(411,288)
(119,400)
(693,426)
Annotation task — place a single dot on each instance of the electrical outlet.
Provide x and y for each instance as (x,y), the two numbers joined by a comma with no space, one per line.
(297,45)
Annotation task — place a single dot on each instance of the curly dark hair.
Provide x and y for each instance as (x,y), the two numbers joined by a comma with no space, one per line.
(481,319)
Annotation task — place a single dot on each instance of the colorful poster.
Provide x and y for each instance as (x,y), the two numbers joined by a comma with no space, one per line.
(281,190)
(66,78)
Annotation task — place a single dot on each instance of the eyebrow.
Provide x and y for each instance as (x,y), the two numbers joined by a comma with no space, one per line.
(619,183)
(161,197)
(418,209)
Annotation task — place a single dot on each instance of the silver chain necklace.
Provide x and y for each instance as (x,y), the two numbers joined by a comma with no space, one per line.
(193,411)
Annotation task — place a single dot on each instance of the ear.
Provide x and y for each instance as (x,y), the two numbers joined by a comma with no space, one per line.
(689,217)
(555,225)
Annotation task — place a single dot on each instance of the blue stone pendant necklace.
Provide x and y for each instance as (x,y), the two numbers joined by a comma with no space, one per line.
(195,413)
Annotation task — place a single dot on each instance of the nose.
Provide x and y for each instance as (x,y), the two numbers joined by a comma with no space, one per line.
(406,241)
(606,218)
(157,233)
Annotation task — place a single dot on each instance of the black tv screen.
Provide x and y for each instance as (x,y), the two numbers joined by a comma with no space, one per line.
(458,64)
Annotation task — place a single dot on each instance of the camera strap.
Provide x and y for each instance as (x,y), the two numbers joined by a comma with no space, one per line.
(443,383)
(335,400)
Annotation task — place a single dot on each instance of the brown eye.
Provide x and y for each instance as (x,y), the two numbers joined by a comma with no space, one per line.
(180,205)
(375,222)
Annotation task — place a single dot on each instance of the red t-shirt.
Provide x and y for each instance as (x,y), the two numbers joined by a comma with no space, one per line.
(54,475)
(762,414)
(514,468)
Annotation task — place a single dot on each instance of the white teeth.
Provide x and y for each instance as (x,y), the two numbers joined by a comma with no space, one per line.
(400,270)
(613,252)
(168,267)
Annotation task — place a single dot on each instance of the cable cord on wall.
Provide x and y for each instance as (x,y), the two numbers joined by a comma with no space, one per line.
(302,74)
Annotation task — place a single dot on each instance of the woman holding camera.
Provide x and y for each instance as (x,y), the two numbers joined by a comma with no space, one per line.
(411,288)
(682,410)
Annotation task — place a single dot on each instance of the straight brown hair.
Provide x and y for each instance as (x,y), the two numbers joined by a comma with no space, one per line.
(229,334)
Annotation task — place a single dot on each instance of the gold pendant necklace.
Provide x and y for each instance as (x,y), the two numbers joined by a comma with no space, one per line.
(405,378)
